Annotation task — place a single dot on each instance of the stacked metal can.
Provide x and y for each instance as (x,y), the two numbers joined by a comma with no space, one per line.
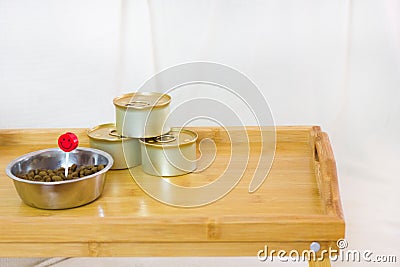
(141,135)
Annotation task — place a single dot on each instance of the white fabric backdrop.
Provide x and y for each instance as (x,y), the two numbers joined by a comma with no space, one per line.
(330,63)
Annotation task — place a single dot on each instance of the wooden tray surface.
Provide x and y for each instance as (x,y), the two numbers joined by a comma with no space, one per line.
(298,203)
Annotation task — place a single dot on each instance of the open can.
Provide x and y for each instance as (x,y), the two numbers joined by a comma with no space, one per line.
(170,154)
(125,151)
(142,114)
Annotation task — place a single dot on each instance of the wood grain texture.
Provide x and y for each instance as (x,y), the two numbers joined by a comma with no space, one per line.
(149,249)
(327,175)
(298,203)
(324,263)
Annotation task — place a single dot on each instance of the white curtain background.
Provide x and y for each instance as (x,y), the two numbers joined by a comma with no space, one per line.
(329,63)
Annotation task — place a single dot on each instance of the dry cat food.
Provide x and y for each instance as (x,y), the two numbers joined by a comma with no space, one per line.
(74,172)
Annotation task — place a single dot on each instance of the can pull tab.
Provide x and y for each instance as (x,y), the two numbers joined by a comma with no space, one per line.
(68,142)
(138,104)
(165,138)
(115,134)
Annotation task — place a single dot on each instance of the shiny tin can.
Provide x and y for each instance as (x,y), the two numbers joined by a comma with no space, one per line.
(142,114)
(125,151)
(170,154)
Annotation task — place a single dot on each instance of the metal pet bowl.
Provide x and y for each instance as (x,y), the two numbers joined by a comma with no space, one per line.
(63,194)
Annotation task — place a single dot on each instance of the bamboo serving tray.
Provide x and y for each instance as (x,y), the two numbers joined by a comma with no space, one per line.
(297,204)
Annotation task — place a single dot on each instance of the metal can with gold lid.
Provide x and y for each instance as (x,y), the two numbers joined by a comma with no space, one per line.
(142,114)
(106,138)
(170,154)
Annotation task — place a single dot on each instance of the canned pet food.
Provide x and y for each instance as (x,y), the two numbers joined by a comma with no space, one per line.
(142,114)
(106,138)
(170,154)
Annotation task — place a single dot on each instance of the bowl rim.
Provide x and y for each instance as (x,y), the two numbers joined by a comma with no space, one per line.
(98,151)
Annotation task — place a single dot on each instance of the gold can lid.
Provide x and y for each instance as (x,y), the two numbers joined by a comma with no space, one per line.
(142,100)
(175,137)
(105,132)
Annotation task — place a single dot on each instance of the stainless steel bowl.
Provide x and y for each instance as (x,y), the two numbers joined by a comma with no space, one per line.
(63,194)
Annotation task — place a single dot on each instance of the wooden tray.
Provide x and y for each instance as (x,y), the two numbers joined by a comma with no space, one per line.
(297,204)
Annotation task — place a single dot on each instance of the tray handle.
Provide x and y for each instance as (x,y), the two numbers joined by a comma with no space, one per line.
(326,174)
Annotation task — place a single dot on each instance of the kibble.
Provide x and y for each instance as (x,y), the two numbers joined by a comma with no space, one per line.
(58,175)
(56,178)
